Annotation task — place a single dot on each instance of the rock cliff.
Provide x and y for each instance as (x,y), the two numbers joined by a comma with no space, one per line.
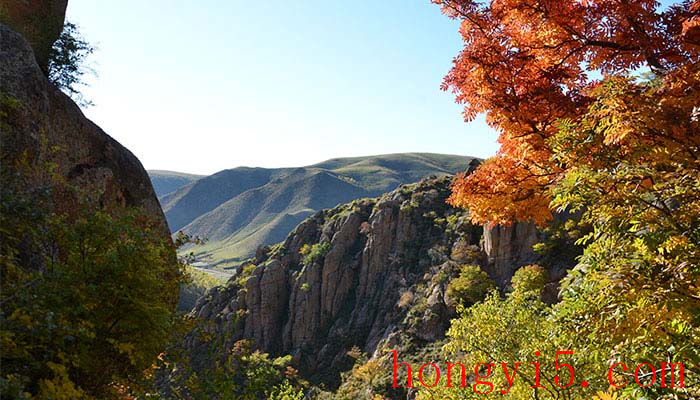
(42,127)
(509,247)
(369,274)
(39,21)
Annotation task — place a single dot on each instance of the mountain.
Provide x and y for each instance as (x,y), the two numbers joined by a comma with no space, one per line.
(240,209)
(369,275)
(165,182)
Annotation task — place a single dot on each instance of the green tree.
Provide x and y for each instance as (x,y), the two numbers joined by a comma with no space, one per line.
(471,286)
(633,172)
(529,279)
(86,299)
(96,314)
(517,329)
(67,66)
(240,373)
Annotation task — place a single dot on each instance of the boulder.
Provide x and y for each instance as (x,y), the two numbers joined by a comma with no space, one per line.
(39,21)
(44,127)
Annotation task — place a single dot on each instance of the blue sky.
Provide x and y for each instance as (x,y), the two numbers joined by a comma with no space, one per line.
(208,85)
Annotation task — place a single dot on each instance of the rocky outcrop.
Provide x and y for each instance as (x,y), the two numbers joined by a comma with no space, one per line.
(382,280)
(508,248)
(43,128)
(372,274)
(39,21)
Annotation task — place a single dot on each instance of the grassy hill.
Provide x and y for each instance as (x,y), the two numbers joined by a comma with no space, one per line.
(239,209)
(165,182)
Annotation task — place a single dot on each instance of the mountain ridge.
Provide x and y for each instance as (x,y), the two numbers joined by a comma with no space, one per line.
(239,209)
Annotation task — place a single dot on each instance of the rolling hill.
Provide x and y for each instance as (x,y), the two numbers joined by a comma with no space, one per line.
(165,182)
(239,209)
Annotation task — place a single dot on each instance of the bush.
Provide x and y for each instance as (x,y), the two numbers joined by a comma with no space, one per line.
(98,311)
(314,252)
(86,301)
(239,373)
(471,286)
(529,279)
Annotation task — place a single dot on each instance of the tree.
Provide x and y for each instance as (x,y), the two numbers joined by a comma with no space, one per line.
(236,373)
(632,168)
(471,286)
(597,107)
(529,279)
(66,66)
(528,64)
(517,329)
(86,299)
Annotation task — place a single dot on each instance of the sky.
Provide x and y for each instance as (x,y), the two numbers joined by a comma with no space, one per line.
(201,86)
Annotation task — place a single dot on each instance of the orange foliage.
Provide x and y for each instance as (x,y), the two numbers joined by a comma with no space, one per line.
(530,64)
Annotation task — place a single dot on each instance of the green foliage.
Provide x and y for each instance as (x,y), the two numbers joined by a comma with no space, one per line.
(471,286)
(95,312)
(241,373)
(67,62)
(285,391)
(633,173)
(314,253)
(511,330)
(529,279)
(86,298)
(245,273)
(561,247)
(366,378)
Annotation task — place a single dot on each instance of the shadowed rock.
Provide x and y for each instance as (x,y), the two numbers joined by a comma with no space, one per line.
(45,127)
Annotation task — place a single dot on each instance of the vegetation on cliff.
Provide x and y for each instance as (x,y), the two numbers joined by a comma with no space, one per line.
(86,297)
(88,274)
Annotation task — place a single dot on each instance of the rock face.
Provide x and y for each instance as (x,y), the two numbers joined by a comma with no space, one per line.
(509,247)
(371,274)
(45,127)
(39,21)
(384,274)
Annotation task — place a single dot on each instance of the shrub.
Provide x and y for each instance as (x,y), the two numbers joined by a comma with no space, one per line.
(529,279)
(471,286)
(87,299)
(240,373)
(97,310)
(315,252)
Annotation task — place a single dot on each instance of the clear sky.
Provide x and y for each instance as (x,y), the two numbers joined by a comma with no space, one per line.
(201,86)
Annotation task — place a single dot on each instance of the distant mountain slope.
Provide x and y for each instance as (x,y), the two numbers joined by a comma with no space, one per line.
(165,182)
(239,209)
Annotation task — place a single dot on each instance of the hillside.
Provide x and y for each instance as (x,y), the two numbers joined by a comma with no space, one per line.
(165,182)
(240,209)
(380,282)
